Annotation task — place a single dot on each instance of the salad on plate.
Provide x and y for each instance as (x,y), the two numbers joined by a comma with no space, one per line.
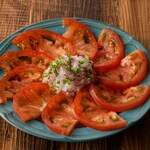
(73,79)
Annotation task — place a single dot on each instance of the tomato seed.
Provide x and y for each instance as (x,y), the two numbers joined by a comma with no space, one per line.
(111,44)
(98,119)
(114,117)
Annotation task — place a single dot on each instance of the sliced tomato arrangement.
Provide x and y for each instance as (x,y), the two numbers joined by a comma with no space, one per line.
(13,59)
(98,104)
(18,78)
(51,43)
(119,100)
(93,116)
(58,114)
(132,69)
(81,37)
(31,100)
(111,51)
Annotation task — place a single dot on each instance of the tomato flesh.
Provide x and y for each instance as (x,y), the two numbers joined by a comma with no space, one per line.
(13,59)
(119,100)
(111,51)
(27,40)
(81,37)
(31,100)
(130,72)
(58,114)
(18,78)
(93,116)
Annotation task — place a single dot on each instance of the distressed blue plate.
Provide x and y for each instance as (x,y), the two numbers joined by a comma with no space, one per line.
(39,129)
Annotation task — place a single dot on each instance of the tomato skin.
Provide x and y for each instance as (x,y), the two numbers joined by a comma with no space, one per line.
(18,78)
(81,37)
(119,101)
(31,100)
(58,114)
(16,58)
(111,51)
(130,72)
(93,116)
(46,41)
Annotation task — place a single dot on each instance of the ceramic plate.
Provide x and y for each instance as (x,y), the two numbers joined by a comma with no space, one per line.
(39,129)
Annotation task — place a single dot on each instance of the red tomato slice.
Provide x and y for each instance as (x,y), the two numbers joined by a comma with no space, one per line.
(81,36)
(29,102)
(13,59)
(58,114)
(111,51)
(130,72)
(46,41)
(119,100)
(27,40)
(18,78)
(93,116)
(54,44)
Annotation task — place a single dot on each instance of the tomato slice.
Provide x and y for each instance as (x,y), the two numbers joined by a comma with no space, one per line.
(27,40)
(58,114)
(18,78)
(93,116)
(119,100)
(130,72)
(29,102)
(46,41)
(81,36)
(15,58)
(111,51)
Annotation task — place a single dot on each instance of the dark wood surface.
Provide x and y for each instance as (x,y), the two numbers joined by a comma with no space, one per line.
(133,16)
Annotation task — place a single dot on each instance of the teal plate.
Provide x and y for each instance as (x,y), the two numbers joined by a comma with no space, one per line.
(38,128)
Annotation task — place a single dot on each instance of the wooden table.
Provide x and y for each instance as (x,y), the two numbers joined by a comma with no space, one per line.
(133,16)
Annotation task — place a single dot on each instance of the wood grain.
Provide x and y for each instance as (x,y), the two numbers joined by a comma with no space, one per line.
(130,15)
(134,18)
